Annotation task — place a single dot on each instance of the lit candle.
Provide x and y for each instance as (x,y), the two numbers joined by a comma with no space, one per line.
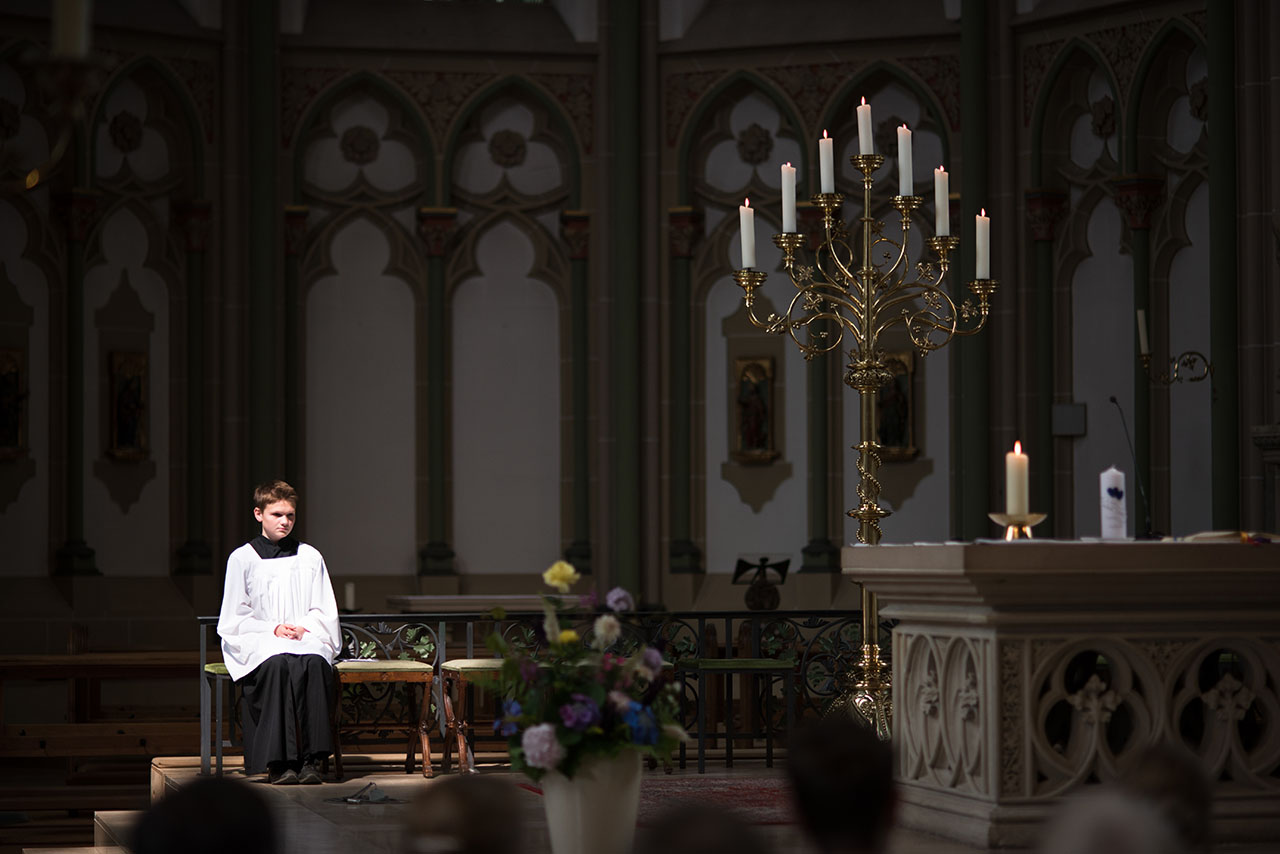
(747,229)
(349,595)
(864,129)
(826,164)
(1112,505)
(982,230)
(906,177)
(71,23)
(788,198)
(941,202)
(1015,481)
(1142,333)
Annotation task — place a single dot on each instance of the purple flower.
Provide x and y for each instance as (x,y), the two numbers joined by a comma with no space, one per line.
(541,748)
(528,670)
(652,659)
(588,601)
(580,713)
(619,599)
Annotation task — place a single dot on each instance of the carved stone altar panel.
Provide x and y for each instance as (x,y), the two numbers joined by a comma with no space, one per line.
(943,740)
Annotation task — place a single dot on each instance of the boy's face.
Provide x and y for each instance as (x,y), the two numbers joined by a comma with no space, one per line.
(277,519)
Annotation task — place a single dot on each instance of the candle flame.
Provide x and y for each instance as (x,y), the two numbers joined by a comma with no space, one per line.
(941,168)
(787,164)
(824,134)
(984,212)
(864,101)
(904,126)
(1017,447)
(746,203)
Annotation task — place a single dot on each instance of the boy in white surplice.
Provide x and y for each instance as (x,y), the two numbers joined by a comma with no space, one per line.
(280,635)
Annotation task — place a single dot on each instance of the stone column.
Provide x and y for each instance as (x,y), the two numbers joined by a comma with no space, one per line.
(264,423)
(195,556)
(1139,197)
(623,53)
(1223,266)
(685,229)
(75,557)
(820,554)
(295,243)
(1045,210)
(436,227)
(970,387)
(575,228)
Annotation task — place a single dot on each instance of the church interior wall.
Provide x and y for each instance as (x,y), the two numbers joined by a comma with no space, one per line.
(504,116)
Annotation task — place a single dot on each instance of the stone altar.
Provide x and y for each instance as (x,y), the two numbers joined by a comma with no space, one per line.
(1027,670)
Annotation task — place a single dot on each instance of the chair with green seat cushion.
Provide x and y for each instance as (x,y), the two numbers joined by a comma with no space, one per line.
(457,674)
(729,667)
(366,670)
(216,673)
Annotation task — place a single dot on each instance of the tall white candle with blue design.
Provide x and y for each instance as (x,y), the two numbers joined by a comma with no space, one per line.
(1113,504)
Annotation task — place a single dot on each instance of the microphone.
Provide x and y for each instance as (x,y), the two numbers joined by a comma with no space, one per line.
(1147,534)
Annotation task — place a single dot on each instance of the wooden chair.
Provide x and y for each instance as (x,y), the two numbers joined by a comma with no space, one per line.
(374,670)
(458,674)
(769,668)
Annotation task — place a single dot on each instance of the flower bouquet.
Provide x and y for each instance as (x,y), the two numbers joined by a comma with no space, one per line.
(570,700)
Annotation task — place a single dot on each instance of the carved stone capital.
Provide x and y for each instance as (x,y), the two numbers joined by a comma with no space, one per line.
(1139,196)
(192,218)
(436,227)
(686,228)
(575,228)
(1045,209)
(295,229)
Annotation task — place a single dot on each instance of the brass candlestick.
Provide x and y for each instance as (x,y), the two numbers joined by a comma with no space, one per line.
(1189,366)
(1017,526)
(838,295)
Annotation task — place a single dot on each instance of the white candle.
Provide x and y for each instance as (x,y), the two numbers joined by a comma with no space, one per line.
(906,176)
(1142,333)
(1112,504)
(941,202)
(72,20)
(788,198)
(865,143)
(1015,482)
(747,229)
(826,164)
(349,595)
(982,230)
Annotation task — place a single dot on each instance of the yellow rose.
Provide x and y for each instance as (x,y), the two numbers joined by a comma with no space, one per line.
(560,576)
(568,637)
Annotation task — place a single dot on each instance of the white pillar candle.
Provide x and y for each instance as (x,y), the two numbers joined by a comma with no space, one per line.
(788,198)
(1016,482)
(906,176)
(865,142)
(1113,504)
(826,164)
(349,595)
(747,229)
(941,202)
(982,231)
(1142,333)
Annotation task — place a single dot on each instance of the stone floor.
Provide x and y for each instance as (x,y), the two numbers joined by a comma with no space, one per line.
(312,825)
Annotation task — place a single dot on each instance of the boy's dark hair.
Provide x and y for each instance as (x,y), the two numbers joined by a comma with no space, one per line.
(842,779)
(700,828)
(273,491)
(1174,781)
(466,815)
(213,815)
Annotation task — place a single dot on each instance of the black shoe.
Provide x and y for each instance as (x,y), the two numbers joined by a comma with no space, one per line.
(281,775)
(309,776)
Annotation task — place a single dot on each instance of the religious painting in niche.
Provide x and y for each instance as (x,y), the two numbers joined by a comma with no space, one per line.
(895,409)
(753,441)
(13,403)
(127,439)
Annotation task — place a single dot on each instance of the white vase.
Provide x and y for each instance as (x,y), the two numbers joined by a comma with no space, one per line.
(595,812)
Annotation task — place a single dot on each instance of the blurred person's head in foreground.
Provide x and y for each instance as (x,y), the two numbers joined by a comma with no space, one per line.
(1109,820)
(466,814)
(699,828)
(1176,784)
(213,815)
(842,780)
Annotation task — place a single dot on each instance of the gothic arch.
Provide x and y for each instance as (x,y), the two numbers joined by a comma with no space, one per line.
(1142,101)
(1056,104)
(844,99)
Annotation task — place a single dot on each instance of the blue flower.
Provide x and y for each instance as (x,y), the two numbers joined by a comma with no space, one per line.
(506,725)
(642,723)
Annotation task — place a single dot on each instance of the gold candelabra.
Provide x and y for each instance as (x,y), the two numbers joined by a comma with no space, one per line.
(857,294)
(1190,366)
